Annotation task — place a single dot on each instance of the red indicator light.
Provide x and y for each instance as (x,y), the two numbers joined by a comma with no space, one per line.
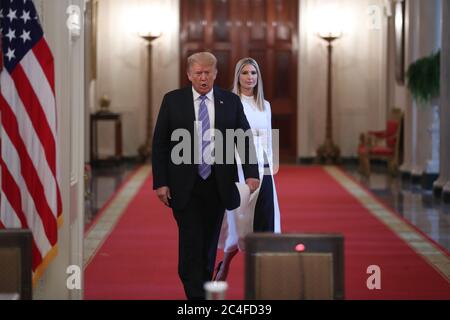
(300,247)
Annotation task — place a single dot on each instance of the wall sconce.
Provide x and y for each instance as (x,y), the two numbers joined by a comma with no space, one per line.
(73,22)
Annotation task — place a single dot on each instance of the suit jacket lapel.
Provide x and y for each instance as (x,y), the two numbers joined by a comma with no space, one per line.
(219,110)
(189,109)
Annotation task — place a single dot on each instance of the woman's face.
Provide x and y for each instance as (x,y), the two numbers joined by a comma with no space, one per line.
(248,78)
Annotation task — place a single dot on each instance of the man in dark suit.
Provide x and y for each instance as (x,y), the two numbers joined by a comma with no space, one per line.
(199,191)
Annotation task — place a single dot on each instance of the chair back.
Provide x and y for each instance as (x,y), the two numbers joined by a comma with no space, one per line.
(294,266)
(398,154)
(15,264)
(391,132)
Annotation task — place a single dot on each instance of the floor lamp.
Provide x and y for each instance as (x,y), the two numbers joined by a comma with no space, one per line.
(328,152)
(145,150)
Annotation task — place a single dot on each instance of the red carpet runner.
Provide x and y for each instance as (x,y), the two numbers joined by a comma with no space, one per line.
(139,258)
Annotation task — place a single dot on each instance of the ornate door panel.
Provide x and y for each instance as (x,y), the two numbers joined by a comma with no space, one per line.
(263,29)
(208,25)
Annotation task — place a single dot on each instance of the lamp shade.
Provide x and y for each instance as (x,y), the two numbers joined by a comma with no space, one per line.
(329,21)
(144,20)
(150,22)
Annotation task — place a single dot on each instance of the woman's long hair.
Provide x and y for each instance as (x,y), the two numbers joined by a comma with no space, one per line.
(258,93)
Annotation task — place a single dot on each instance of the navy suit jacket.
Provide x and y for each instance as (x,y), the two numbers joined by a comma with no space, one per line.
(177,112)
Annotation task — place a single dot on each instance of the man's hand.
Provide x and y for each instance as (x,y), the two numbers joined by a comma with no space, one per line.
(163,194)
(252,183)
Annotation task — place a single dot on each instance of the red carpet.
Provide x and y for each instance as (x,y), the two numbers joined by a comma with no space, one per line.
(139,259)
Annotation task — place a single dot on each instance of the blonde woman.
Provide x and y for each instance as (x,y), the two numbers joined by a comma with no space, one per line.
(262,213)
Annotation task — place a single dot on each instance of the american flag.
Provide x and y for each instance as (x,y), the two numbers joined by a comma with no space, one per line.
(30,196)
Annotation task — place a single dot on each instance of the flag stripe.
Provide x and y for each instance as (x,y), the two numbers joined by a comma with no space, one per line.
(12,193)
(33,183)
(38,81)
(58,193)
(45,58)
(7,210)
(8,219)
(36,114)
(32,142)
(26,206)
(36,256)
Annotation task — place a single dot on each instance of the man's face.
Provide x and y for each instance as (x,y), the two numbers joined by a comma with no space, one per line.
(202,77)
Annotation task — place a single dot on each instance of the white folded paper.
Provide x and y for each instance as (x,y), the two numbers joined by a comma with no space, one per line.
(244,193)
(243,216)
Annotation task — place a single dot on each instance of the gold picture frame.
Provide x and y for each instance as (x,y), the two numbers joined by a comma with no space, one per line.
(94,30)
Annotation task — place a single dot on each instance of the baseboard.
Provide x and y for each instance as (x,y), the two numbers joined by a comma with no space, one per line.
(306,160)
(406,176)
(416,178)
(115,162)
(437,191)
(345,161)
(446,197)
(428,179)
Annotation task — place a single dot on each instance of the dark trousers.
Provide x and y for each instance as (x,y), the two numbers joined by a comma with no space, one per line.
(198,231)
(263,220)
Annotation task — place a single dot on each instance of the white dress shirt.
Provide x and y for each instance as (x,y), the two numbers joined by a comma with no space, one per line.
(209,104)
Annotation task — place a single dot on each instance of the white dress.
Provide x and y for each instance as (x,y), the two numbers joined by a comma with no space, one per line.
(238,223)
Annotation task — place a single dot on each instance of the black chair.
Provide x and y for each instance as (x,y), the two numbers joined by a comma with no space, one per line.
(15,264)
(294,266)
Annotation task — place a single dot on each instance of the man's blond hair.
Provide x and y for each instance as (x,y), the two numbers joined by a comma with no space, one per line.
(202,58)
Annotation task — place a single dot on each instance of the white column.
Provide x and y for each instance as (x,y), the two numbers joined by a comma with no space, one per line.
(68,52)
(444,178)
(428,41)
(432,162)
(411,40)
(432,165)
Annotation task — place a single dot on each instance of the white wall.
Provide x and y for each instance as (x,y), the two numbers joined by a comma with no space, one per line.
(123,62)
(359,77)
(69,83)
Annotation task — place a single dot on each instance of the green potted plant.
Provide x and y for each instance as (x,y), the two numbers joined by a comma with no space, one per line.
(422,78)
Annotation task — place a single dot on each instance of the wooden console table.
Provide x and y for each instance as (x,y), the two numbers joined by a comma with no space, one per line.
(106,116)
